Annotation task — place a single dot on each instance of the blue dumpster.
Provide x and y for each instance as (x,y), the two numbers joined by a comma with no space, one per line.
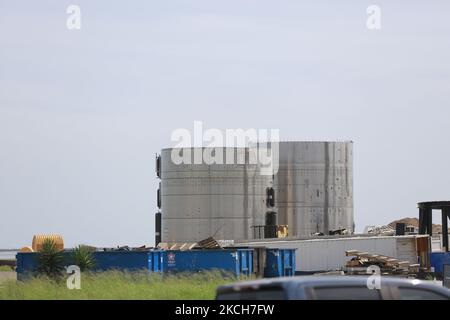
(279,263)
(235,261)
(127,260)
(104,260)
(156,260)
(27,263)
(438,259)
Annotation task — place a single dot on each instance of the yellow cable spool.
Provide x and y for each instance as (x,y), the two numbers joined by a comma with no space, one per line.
(38,241)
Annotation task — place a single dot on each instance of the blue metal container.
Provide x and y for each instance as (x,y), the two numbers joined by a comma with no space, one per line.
(438,259)
(279,263)
(104,260)
(156,260)
(125,260)
(235,261)
(25,264)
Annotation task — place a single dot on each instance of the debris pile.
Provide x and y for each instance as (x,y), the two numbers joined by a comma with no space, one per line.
(338,232)
(122,248)
(208,243)
(383,230)
(388,265)
(176,246)
(332,233)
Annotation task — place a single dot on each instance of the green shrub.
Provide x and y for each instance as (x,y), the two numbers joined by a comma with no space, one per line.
(83,257)
(50,260)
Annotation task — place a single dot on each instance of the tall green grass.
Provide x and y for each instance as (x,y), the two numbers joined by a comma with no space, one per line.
(119,285)
(6,268)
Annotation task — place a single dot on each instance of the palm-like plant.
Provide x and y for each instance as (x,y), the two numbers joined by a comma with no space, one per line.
(50,259)
(83,257)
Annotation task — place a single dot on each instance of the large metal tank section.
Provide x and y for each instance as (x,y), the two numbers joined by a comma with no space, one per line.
(40,239)
(202,200)
(314,187)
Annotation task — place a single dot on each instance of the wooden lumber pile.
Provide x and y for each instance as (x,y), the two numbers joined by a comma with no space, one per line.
(208,243)
(362,260)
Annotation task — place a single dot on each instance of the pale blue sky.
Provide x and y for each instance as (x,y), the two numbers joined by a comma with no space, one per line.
(82,113)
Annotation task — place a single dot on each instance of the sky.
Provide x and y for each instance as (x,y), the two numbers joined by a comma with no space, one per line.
(83,111)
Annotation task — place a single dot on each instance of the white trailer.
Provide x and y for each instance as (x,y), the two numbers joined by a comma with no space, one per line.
(328,254)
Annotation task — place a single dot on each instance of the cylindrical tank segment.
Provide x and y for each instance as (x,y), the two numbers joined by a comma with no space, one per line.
(40,239)
(314,187)
(311,191)
(200,200)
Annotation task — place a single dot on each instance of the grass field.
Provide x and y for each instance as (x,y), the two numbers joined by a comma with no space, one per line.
(5,268)
(118,285)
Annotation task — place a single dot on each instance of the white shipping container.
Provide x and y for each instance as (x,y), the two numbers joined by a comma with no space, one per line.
(436,244)
(329,254)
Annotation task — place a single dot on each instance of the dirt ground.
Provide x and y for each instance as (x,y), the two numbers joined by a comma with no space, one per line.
(7,275)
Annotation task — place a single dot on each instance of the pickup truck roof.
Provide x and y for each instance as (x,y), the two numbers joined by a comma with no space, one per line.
(288,283)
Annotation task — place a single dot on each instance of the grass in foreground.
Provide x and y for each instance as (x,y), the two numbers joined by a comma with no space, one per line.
(119,285)
(6,268)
